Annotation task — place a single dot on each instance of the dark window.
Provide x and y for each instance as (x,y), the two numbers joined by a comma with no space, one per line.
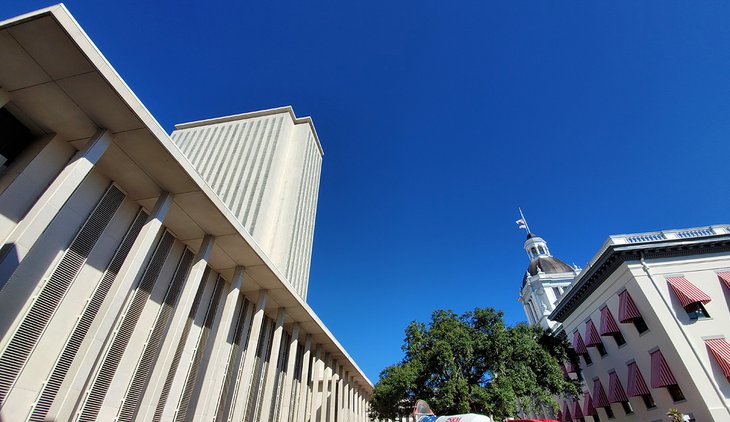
(609,412)
(596,418)
(648,401)
(14,138)
(675,392)
(696,310)
(601,349)
(620,341)
(640,325)
(627,408)
(556,291)
(587,358)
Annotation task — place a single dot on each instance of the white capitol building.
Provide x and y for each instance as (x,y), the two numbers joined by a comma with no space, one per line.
(649,318)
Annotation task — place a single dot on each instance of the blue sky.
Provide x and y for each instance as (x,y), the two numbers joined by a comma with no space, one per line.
(439,119)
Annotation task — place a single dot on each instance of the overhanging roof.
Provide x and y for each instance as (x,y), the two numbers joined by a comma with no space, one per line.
(60,83)
(621,248)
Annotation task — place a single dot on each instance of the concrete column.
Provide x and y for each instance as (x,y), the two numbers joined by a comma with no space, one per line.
(353,400)
(345,397)
(235,365)
(326,389)
(174,333)
(130,271)
(273,364)
(333,393)
(316,401)
(300,415)
(286,392)
(241,397)
(358,406)
(204,407)
(340,393)
(17,244)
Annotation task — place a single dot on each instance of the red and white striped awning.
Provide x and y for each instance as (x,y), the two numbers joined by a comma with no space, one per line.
(608,324)
(592,337)
(627,309)
(616,393)
(635,384)
(588,408)
(725,278)
(686,292)
(566,413)
(599,394)
(578,344)
(720,350)
(577,412)
(661,375)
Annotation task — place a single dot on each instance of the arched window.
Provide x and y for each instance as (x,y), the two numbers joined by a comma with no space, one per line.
(541,249)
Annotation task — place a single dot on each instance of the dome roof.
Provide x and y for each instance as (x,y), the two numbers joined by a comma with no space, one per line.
(547,265)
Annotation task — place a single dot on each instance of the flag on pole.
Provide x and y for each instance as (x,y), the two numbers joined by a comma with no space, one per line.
(521,223)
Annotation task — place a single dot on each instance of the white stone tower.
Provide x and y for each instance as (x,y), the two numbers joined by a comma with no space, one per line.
(265,166)
(544,282)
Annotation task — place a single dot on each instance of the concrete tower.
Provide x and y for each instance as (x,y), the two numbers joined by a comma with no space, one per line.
(265,166)
(544,281)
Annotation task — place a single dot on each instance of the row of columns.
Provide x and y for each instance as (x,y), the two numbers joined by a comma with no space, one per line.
(333,394)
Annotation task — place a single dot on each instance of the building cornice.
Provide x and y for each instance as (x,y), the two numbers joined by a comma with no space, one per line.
(260,113)
(613,255)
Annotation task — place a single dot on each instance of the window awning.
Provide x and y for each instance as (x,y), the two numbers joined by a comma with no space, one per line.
(600,394)
(686,292)
(661,375)
(627,309)
(578,344)
(635,385)
(616,392)
(592,337)
(588,408)
(566,413)
(577,412)
(725,278)
(720,350)
(608,323)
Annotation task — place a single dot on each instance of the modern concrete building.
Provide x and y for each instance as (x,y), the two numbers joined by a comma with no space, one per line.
(265,166)
(649,317)
(143,278)
(544,282)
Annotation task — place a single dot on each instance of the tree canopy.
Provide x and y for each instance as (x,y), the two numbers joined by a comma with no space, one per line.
(472,363)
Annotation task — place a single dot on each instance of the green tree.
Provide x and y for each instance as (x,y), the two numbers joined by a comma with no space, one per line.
(472,363)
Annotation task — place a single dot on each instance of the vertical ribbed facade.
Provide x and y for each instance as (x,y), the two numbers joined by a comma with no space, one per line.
(127,291)
(265,167)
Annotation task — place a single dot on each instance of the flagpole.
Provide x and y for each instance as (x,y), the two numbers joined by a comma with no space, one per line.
(525,220)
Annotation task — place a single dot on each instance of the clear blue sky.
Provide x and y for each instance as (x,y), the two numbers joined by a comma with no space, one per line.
(439,119)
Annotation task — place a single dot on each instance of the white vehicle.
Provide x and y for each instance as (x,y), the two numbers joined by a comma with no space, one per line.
(423,413)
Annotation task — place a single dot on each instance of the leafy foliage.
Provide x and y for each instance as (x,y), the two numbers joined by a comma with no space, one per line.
(472,363)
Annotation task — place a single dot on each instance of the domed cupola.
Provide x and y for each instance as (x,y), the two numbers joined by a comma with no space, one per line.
(545,280)
(540,259)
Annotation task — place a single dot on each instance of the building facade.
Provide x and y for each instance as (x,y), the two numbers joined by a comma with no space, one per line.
(649,317)
(265,166)
(146,278)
